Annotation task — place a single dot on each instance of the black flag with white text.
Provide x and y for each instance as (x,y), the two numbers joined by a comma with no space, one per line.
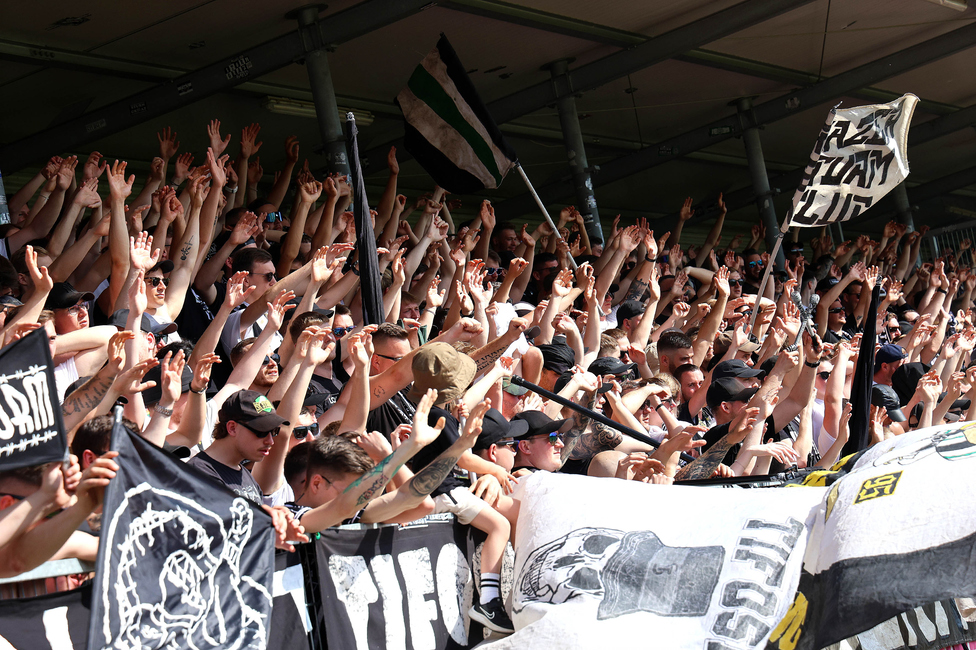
(180,558)
(31,429)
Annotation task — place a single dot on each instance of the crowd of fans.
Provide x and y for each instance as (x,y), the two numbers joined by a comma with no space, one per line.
(227,317)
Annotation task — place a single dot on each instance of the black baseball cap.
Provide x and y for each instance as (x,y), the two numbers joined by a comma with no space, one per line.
(736,368)
(539,424)
(629,309)
(495,427)
(253,410)
(162,265)
(557,357)
(727,389)
(63,295)
(149,324)
(610,366)
(882,395)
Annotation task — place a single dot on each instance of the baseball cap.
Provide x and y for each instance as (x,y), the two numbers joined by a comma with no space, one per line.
(10,300)
(824,285)
(727,389)
(495,427)
(724,340)
(557,357)
(610,366)
(882,395)
(523,308)
(149,324)
(629,309)
(888,353)
(539,424)
(253,410)
(736,368)
(162,265)
(440,366)
(63,295)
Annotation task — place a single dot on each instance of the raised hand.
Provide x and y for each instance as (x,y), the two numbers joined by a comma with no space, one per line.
(141,255)
(118,185)
(66,172)
(182,168)
(686,211)
(92,168)
(246,227)
(168,145)
(248,136)
(277,308)
(216,143)
(202,370)
(391,161)
(423,434)
(39,274)
(563,283)
(236,294)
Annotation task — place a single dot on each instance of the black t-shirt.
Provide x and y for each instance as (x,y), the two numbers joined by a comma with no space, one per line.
(392,413)
(448,437)
(329,385)
(718,432)
(574,466)
(195,316)
(237,479)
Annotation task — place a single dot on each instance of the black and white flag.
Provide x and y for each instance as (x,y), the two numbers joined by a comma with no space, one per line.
(31,429)
(182,562)
(861,155)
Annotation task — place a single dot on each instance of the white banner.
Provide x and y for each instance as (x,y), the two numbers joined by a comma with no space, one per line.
(604,561)
(861,155)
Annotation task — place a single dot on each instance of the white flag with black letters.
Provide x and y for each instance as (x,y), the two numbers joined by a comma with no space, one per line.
(861,155)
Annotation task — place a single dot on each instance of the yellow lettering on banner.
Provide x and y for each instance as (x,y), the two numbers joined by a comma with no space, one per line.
(788,632)
(879,486)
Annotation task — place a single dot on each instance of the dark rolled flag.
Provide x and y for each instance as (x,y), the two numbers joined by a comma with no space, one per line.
(863,382)
(369,261)
(448,129)
(183,562)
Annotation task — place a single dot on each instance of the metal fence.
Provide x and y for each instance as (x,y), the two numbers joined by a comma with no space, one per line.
(937,241)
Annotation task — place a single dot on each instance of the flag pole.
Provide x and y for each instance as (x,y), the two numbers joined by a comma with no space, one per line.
(769,268)
(542,207)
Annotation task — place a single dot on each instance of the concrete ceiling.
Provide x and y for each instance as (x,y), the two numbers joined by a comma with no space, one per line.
(105,51)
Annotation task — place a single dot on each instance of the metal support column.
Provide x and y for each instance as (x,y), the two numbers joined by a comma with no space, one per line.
(760,182)
(323,94)
(573,139)
(903,207)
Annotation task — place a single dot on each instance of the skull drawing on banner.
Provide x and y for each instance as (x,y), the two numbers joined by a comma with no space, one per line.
(198,596)
(569,566)
(629,572)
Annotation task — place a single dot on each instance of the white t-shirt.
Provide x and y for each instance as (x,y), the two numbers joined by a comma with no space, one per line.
(231,335)
(64,375)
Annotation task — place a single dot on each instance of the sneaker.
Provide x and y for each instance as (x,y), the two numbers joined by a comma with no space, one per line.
(492,615)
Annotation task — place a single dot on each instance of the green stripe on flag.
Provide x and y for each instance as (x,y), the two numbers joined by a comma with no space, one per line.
(428,90)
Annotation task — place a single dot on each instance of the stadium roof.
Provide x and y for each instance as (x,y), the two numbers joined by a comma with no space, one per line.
(656,83)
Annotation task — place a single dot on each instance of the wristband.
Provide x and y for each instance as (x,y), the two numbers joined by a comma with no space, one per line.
(659,406)
(811,365)
(228,190)
(198,392)
(648,259)
(163,411)
(942,291)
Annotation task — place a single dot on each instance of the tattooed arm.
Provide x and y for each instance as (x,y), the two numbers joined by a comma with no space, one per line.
(706,464)
(580,422)
(600,438)
(77,406)
(371,484)
(410,501)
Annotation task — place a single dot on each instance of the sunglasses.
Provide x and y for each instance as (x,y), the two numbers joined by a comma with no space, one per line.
(507,443)
(274,358)
(493,271)
(835,310)
(301,432)
(386,357)
(735,283)
(824,375)
(273,433)
(754,263)
(552,438)
(339,332)
(155,281)
(268,277)
(670,401)
(273,216)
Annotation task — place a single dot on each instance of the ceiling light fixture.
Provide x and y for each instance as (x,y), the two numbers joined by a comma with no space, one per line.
(958,5)
(298,108)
